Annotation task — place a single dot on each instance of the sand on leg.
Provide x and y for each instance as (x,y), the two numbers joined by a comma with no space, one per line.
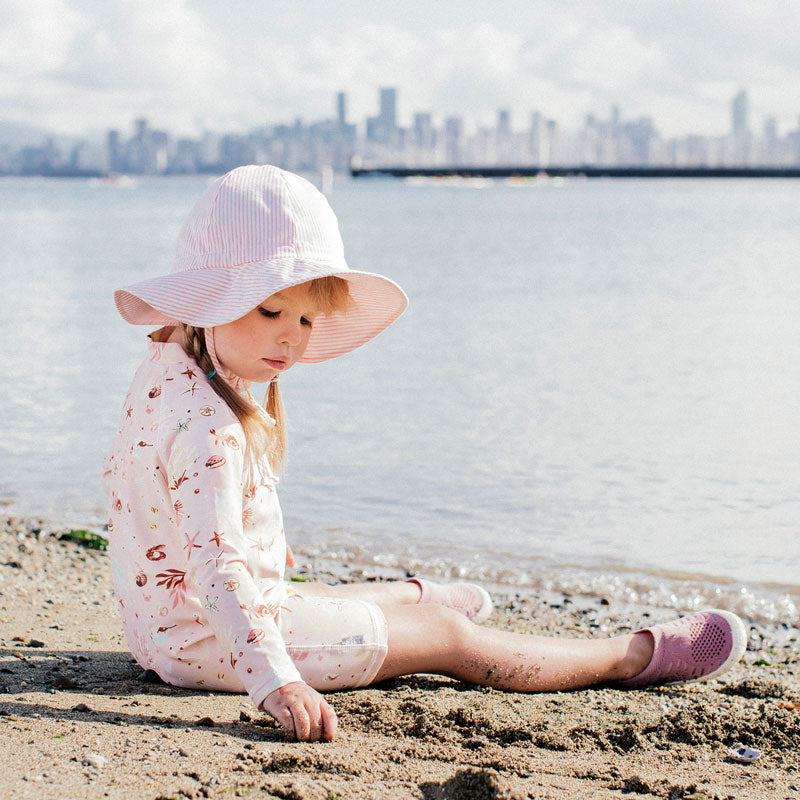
(429,638)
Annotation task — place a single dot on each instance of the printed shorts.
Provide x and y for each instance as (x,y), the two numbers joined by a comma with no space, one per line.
(335,644)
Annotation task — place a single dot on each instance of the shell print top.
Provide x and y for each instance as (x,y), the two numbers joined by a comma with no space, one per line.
(194,551)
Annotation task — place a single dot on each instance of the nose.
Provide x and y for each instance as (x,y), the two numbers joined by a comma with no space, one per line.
(291,334)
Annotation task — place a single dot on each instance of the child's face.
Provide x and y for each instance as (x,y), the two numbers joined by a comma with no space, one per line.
(270,338)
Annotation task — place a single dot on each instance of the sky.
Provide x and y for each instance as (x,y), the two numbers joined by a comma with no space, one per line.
(78,67)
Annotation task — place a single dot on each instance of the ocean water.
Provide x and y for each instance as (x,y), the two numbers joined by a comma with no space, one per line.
(595,388)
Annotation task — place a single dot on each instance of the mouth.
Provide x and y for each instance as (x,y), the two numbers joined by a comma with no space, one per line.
(276,363)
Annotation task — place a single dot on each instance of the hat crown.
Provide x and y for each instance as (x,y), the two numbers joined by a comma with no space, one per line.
(259,213)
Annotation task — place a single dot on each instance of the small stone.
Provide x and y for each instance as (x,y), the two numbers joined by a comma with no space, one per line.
(205,722)
(150,676)
(94,760)
(36,643)
(81,707)
(244,717)
(23,640)
(64,682)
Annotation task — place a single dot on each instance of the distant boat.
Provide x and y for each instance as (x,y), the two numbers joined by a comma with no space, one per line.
(117,181)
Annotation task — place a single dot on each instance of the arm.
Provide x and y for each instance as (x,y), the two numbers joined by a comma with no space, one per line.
(204,473)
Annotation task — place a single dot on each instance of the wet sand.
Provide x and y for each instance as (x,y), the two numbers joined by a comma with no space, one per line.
(80,718)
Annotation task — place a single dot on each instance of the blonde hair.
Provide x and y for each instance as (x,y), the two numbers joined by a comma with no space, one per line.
(329,295)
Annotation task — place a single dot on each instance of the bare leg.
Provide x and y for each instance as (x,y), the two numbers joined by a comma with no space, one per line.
(382,594)
(428,638)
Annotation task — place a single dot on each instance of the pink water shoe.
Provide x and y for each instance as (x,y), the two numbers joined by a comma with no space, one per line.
(693,648)
(467,598)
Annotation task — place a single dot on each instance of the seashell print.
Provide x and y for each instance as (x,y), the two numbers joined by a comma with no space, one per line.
(231,585)
(207,411)
(215,461)
(254,636)
(141,579)
(156,553)
(154,392)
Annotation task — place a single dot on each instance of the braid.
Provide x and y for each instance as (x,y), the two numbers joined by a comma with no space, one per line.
(330,294)
(259,438)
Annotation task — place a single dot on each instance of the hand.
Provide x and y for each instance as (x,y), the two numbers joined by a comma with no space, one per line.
(302,712)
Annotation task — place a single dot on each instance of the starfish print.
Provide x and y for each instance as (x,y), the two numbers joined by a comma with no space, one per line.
(258,544)
(183,424)
(211,605)
(217,538)
(190,544)
(189,373)
(129,411)
(215,559)
(191,390)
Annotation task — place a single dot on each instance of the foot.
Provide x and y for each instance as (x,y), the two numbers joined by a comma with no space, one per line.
(693,648)
(467,598)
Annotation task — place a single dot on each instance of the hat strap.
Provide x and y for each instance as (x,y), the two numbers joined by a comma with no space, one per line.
(235,381)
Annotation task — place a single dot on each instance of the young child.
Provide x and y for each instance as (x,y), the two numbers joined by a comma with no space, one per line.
(197,546)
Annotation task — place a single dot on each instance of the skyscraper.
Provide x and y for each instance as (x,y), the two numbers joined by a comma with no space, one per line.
(740,131)
(739,108)
(388,112)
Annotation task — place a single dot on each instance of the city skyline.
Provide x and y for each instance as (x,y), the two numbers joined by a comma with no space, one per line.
(70,66)
(380,141)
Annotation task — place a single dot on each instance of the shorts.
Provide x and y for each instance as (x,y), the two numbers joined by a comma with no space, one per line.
(334,643)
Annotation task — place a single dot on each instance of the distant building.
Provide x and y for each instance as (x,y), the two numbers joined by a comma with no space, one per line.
(337,144)
(453,141)
(740,129)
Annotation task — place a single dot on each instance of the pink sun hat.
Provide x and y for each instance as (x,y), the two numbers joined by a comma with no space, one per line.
(255,231)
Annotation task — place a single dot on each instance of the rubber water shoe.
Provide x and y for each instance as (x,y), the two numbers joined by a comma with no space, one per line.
(693,648)
(468,599)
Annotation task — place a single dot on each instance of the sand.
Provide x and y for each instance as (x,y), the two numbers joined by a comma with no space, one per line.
(81,719)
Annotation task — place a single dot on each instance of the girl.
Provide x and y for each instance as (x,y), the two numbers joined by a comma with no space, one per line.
(197,545)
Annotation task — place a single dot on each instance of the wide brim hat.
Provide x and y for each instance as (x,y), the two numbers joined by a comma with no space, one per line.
(256,231)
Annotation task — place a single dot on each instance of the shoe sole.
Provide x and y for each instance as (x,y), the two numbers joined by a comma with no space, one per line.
(485,611)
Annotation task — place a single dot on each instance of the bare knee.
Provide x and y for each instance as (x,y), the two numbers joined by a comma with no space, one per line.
(426,638)
(454,628)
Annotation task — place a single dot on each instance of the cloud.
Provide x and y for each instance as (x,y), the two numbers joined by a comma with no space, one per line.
(78,64)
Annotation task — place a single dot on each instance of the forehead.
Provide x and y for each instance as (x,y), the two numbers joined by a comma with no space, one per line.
(294,294)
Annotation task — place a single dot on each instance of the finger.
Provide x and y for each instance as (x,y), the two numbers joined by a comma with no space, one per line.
(286,721)
(289,557)
(330,721)
(302,724)
(314,725)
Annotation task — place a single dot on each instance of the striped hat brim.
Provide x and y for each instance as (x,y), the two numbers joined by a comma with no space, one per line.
(206,298)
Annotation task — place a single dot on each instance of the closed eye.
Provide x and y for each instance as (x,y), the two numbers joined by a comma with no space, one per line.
(265,312)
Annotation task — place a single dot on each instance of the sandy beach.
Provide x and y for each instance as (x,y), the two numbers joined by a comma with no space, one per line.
(82,720)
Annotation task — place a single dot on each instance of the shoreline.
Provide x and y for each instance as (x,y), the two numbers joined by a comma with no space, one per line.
(771,603)
(81,719)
